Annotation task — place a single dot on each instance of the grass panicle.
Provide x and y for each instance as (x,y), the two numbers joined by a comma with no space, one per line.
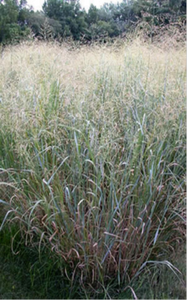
(92,152)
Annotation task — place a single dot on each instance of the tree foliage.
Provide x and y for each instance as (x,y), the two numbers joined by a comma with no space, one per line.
(60,19)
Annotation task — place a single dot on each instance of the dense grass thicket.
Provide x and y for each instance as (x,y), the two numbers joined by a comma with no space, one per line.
(92,158)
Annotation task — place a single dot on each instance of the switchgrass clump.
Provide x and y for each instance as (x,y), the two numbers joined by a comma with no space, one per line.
(93,156)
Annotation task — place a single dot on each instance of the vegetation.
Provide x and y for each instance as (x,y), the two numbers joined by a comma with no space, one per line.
(62,19)
(92,168)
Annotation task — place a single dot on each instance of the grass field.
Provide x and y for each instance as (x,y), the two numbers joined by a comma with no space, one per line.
(92,171)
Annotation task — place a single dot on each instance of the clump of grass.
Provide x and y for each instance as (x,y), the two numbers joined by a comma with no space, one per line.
(93,156)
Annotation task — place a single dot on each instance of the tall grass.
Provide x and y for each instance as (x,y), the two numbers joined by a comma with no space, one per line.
(92,148)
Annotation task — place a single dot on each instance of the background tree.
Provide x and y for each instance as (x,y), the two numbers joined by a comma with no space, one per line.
(61,19)
(12,23)
(69,14)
